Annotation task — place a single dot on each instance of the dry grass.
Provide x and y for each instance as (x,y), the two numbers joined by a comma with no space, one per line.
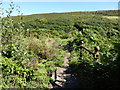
(44,47)
(111,17)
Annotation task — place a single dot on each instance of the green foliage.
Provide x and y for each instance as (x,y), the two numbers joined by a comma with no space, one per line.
(34,46)
(91,73)
(18,74)
(28,57)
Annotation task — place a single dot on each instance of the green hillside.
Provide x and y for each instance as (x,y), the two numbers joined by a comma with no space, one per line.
(70,14)
(33,46)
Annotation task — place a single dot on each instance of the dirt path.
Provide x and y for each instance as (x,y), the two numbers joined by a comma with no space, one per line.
(64,76)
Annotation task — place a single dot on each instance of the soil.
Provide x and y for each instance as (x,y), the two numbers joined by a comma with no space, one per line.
(64,77)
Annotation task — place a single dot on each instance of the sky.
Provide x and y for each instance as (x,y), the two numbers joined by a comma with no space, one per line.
(63,0)
(28,7)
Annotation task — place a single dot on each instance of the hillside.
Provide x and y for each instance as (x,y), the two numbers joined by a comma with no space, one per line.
(35,46)
(69,14)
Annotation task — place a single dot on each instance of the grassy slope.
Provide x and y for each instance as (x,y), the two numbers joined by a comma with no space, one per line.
(72,15)
(63,29)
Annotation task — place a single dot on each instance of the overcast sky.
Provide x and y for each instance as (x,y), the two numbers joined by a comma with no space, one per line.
(62,0)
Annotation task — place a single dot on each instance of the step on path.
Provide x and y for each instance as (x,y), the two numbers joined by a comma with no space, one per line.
(64,77)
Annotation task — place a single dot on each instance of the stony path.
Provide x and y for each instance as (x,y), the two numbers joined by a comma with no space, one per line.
(64,76)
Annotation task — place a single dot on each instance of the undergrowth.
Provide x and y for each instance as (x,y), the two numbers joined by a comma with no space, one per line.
(32,48)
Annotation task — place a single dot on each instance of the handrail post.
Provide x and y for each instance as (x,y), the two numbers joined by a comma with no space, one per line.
(96,53)
(81,49)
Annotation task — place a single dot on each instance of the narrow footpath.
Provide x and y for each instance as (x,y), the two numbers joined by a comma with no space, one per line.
(64,76)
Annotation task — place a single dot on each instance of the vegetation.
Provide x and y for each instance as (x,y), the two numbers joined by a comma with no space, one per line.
(34,46)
